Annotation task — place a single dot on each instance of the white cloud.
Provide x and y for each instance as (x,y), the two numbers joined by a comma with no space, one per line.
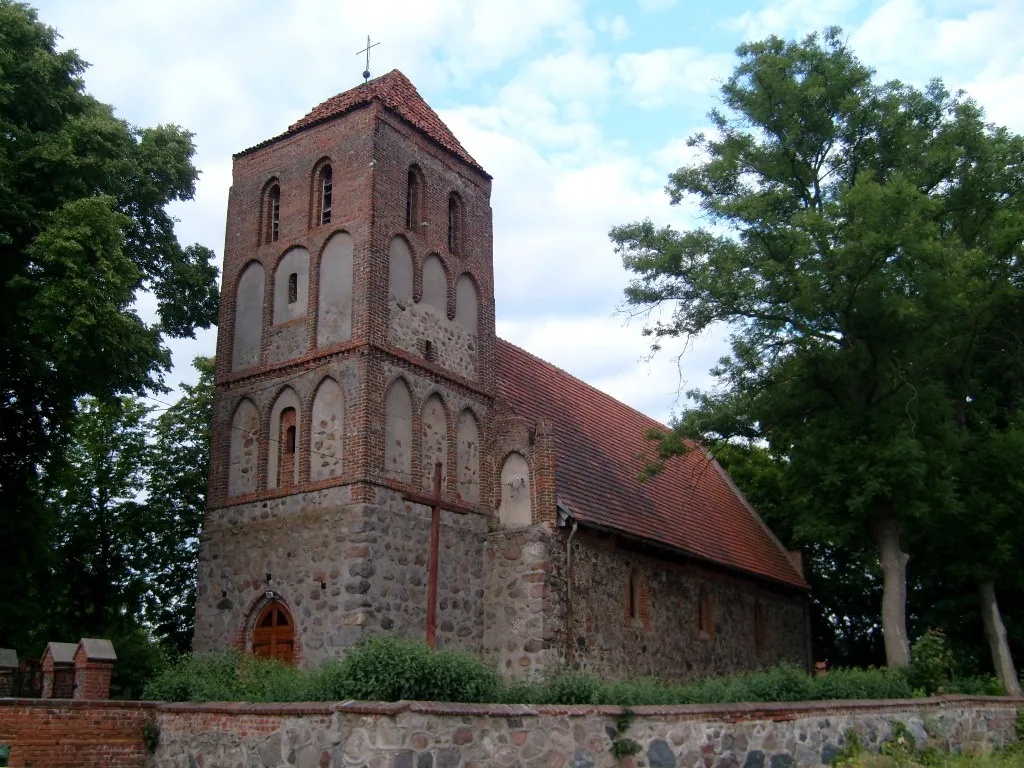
(656,5)
(616,26)
(971,49)
(659,77)
(788,18)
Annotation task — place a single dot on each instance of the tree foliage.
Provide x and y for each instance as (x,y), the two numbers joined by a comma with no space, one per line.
(84,228)
(862,240)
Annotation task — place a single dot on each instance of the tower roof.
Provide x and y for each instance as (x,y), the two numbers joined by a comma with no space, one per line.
(692,506)
(395,91)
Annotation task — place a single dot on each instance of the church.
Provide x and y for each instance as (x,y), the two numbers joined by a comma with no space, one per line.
(360,383)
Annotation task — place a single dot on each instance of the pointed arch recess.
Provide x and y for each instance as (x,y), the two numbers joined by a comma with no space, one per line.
(278,445)
(334,304)
(248,334)
(289,306)
(515,510)
(467,457)
(327,431)
(467,307)
(398,432)
(244,449)
(435,285)
(400,271)
(434,423)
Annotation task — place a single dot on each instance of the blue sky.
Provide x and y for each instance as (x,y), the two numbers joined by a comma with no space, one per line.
(578,109)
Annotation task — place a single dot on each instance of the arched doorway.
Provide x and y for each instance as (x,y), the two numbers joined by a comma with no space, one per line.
(273,637)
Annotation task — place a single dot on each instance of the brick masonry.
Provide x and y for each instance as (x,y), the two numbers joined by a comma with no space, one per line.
(66,734)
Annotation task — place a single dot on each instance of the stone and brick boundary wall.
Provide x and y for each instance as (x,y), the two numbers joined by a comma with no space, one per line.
(54,734)
(60,733)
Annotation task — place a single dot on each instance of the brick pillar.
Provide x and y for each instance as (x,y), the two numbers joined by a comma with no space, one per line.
(94,665)
(57,667)
(8,671)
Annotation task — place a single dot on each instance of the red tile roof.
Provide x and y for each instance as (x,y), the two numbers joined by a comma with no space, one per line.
(691,506)
(396,92)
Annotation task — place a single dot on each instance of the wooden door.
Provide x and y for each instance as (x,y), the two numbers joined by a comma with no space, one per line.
(274,634)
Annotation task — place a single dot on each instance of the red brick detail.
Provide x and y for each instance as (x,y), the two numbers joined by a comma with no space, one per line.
(83,734)
(394,91)
(691,506)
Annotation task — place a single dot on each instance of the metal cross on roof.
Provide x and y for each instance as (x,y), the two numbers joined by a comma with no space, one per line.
(366,50)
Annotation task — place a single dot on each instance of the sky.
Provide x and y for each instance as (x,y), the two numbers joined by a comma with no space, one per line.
(579,110)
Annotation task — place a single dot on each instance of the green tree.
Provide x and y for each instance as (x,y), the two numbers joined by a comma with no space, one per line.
(83,229)
(846,591)
(848,228)
(178,470)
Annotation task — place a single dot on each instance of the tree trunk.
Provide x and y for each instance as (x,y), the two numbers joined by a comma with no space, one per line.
(995,633)
(886,530)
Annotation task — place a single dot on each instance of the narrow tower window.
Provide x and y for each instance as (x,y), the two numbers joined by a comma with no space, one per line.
(453,223)
(414,199)
(326,185)
(634,597)
(286,461)
(293,287)
(273,213)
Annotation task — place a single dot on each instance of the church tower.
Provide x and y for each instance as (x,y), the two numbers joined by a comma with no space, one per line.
(356,350)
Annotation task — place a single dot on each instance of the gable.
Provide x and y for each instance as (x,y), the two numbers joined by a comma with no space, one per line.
(692,506)
(397,93)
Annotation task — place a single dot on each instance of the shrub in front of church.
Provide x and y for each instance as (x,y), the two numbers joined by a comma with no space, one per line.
(391,669)
(228,676)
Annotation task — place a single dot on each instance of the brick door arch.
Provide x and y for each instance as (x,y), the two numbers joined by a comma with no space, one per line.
(273,636)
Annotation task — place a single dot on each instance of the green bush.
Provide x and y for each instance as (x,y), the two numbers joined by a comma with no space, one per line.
(227,676)
(390,669)
(931,663)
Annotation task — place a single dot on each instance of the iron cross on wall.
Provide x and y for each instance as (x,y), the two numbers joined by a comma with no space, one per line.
(436,503)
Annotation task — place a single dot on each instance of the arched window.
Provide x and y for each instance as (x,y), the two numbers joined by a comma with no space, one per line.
(273,214)
(282,451)
(326,189)
(414,199)
(273,637)
(454,216)
(286,463)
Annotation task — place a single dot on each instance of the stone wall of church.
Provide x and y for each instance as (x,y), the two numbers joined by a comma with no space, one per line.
(343,570)
(451,345)
(524,635)
(665,634)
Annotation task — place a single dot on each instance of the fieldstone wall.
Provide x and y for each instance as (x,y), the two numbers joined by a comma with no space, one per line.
(666,636)
(524,609)
(453,346)
(432,735)
(342,569)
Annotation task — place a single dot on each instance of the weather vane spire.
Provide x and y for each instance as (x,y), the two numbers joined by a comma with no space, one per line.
(366,50)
